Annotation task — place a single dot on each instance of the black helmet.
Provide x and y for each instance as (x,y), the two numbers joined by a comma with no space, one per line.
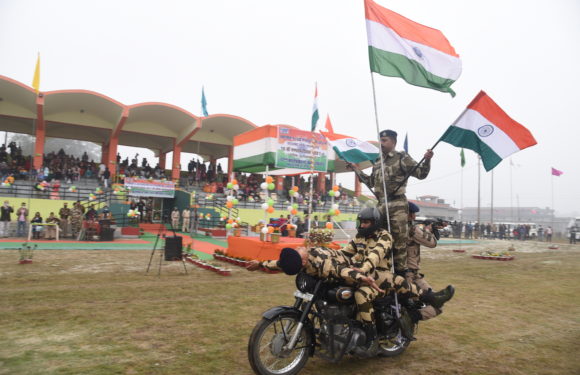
(369,213)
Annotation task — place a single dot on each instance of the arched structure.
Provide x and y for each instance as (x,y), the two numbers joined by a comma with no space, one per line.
(91,116)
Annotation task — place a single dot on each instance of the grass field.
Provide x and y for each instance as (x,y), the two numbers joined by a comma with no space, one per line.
(97,312)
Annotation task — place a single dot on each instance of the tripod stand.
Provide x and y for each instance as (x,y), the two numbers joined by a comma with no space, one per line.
(162,253)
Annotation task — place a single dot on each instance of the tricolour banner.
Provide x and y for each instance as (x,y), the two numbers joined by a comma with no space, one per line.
(295,150)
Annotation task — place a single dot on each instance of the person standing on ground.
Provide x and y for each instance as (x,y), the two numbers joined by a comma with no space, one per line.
(186,214)
(64,213)
(549,234)
(76,219)
(397,164)
(22,218)
(175,218)
(5,218)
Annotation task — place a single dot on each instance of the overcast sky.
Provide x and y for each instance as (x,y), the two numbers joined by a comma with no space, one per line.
(259,59)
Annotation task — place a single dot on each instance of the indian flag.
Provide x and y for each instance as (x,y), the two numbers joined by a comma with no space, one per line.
(351,149)
(486,129)
(315,115)
(399,47)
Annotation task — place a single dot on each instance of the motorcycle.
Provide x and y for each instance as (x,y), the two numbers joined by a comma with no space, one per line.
(322,321)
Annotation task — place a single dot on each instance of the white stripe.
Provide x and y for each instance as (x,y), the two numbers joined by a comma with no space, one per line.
(498,141)
(365,147)
(258,147)
(433,60)
(263,145)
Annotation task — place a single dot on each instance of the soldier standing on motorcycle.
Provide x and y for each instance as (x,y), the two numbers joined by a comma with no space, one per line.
(425,236)
(397,165)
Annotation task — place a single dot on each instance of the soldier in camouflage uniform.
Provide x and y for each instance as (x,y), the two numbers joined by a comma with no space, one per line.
(421,235)
(76,220)
(365,260)
(397,165)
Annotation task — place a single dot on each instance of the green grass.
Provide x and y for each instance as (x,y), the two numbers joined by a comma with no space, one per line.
(79,312)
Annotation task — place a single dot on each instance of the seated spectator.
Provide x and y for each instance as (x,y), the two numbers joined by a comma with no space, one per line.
(51,229)
(36,229)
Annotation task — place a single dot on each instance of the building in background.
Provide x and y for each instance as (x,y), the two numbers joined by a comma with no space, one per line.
(433,207)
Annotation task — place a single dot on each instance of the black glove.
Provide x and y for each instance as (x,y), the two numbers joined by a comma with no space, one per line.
(402,272)
(436,233)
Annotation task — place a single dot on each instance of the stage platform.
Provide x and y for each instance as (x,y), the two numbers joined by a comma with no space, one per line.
(254,248)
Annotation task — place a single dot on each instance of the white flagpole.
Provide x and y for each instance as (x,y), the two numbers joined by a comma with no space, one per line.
(491,213)
(478,195)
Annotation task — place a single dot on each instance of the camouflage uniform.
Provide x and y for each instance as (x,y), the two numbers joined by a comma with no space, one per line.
(420,236)
(76,221)
(372,256)
(64,213)
(397,165)
(366,255)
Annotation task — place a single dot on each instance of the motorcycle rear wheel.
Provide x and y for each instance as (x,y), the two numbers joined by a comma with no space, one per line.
(393,346)
(266,351)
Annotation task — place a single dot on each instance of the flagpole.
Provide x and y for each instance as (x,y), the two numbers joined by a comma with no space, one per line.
(491,213)
(553,211)
(511,191)
(397,306)
(478,194)
(461,205)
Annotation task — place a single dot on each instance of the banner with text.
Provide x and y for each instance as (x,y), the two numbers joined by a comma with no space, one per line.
(150,188)
(295,150)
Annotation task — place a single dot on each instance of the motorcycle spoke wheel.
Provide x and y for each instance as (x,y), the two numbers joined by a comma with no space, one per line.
(393,346)
(266,349)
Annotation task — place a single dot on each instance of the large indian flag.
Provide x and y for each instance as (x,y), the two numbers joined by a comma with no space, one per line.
(399,47)
(351,149)
(486,129)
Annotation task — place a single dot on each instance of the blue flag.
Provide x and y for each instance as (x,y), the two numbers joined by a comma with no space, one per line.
(406,144)
(203,103)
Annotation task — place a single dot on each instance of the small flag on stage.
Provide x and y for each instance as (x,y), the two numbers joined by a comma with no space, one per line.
(486,129)
(556,172)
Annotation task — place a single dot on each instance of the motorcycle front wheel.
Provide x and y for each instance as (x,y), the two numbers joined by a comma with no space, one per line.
(393,345)
(267,350)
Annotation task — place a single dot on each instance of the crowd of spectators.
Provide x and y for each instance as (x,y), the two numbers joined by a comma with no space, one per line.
(500,231)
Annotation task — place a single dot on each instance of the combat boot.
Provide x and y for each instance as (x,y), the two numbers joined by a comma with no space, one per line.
(370,330)
(439,298)
(407,323)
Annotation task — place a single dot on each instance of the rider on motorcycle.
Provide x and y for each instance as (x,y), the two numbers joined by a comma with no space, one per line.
(427,236)
(365,259)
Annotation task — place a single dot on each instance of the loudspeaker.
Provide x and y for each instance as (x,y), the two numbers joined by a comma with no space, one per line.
(107,234)
(173,248)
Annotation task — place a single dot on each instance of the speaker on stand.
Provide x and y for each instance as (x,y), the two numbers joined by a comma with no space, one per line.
(173,248)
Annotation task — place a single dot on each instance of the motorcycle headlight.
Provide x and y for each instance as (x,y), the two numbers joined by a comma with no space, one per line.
(305,283)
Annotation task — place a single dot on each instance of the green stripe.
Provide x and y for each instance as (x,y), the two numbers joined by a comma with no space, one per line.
(314,120)
(355,155)
(257,163)
(468,139)
(395,65)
